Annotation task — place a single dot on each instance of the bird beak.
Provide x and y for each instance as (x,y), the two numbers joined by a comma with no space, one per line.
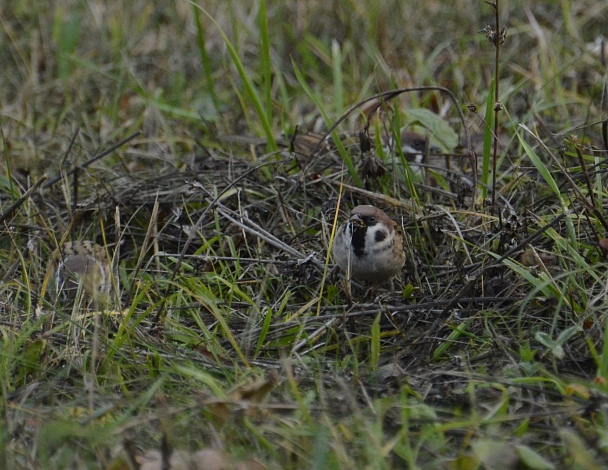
(356,221)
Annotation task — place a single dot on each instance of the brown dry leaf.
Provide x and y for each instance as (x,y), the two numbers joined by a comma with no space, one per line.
(530,257)
(588,323)
(604,243)
(257,390)
(527,257)
(599,381)
(220,411)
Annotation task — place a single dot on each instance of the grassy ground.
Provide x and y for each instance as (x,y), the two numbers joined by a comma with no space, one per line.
(230,342)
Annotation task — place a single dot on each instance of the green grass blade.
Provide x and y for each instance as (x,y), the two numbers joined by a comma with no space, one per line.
(205,60)
(265,64)
(338,79)
(67,39)
(540,166)
(264,331)
(375,343)
(487,142)
(250,89)
(341,150)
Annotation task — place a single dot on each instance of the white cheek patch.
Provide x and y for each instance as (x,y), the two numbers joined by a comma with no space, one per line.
(417,158)
(374,247)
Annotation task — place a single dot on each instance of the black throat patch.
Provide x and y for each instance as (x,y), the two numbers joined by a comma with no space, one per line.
(359,231)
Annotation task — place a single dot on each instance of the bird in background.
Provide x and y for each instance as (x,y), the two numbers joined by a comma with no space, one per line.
(84,268)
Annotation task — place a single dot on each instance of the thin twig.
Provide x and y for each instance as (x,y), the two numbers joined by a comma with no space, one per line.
(105,153)
(497,105)
(22,199)
(594,206)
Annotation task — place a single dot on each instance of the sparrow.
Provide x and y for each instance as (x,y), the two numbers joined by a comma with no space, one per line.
(413,144)
(369,246)
(84,263)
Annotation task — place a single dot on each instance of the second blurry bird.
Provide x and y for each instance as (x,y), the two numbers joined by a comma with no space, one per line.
(84,266)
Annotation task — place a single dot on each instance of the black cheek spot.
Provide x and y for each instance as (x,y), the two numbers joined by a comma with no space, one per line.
(380,236)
